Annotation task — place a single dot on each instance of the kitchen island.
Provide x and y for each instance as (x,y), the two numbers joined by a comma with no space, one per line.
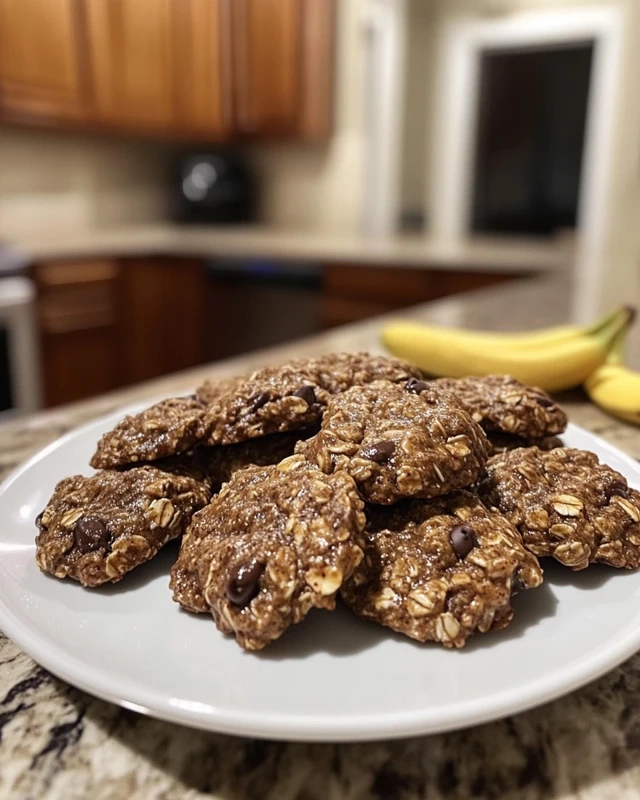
(58,742)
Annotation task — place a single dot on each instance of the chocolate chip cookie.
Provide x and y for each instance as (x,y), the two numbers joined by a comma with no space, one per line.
(566,504)
(274,543)
(398,443)
(292,396)
(440,570)
(501,403)
(97,529)
(166,428)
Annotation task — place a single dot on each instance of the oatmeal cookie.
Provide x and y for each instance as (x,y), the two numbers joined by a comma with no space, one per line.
(566,504)
(292,396)
(501,403)
(440,570)
(166,428)
(276,542)
(396,443)
(97,529)
(503,442)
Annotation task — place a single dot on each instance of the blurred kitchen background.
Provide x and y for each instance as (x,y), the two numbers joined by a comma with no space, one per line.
(185,180)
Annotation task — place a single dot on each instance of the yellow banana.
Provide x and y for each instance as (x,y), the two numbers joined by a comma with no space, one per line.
(615,387)
(553,366)
(527,339)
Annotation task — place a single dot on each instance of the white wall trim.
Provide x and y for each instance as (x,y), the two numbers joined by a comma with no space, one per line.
(456,103)
(384,28)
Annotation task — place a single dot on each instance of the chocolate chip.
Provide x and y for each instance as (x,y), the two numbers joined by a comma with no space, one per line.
(415,386)
(381,451)
(259,400)
(619,488)
(91,534)
(242,586)
(517,584)
(544,401)
(39,519)
(463,540)
(307,394)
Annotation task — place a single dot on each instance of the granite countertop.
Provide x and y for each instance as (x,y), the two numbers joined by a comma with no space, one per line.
(493,255)
(58,742)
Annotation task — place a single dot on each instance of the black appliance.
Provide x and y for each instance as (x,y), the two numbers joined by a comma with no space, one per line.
(212,188)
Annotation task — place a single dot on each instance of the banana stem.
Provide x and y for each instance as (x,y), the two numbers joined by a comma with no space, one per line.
(628,313)
(616,351)
(618,325)
(603,322)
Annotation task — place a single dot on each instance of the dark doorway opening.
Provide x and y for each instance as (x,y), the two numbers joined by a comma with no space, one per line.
(530,139)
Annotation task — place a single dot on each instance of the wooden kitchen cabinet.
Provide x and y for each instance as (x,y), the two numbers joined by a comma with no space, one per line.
(161,324)
(42,60)
(77,312)
(107,323)
(283,67)
(203,70)
(132,60)
(160,65)
(352,292)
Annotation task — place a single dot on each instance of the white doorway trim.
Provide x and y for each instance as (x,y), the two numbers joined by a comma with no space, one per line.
(458,84)
(384,29)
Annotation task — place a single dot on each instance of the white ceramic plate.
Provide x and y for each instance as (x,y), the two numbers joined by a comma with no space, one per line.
(333,677)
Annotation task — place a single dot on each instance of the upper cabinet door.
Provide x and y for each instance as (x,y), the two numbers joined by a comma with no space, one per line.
(283,66)
(202,43)
(266,60)
(160,65)
(133,62)
(42,71)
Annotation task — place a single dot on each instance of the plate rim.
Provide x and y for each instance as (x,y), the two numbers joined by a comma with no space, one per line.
(287,727)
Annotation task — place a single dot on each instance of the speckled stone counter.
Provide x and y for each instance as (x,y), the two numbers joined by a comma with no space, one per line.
(57,742)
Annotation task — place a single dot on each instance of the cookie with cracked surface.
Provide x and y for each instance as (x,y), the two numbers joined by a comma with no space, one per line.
(396,443)
(567,505)
(164,429)
(292,396)
(503,442)
(97,529)
(274,543)
(501,403)
(440,570)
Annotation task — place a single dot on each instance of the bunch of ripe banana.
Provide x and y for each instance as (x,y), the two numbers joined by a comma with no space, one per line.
(554,359)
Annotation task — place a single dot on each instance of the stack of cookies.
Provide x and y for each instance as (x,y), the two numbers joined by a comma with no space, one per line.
(425,505)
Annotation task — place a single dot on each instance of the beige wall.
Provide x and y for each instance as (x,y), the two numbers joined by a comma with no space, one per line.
(58,181)
(320,187)
(419,69)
